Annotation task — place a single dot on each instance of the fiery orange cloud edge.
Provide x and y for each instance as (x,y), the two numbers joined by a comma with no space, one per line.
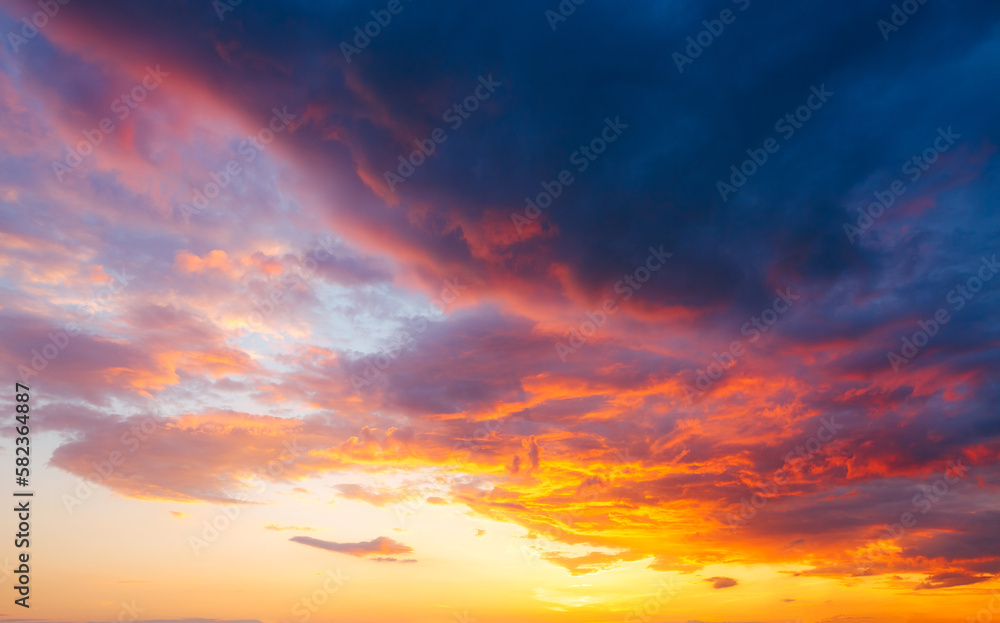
(626,508)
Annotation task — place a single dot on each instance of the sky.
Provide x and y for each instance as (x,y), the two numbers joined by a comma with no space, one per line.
(559,312)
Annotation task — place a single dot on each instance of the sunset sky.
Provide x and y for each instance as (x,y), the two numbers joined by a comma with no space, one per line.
(490,312)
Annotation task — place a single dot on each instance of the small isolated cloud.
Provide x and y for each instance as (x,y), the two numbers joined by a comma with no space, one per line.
(278,528)
(480,532)
(383,547)
(722,582)
(179,514)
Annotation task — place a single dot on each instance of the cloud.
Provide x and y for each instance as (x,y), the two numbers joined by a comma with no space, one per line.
(225,451)
(375,498)
(722,582)
(947,580)
(589,563)
(619,439)
(379,547)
